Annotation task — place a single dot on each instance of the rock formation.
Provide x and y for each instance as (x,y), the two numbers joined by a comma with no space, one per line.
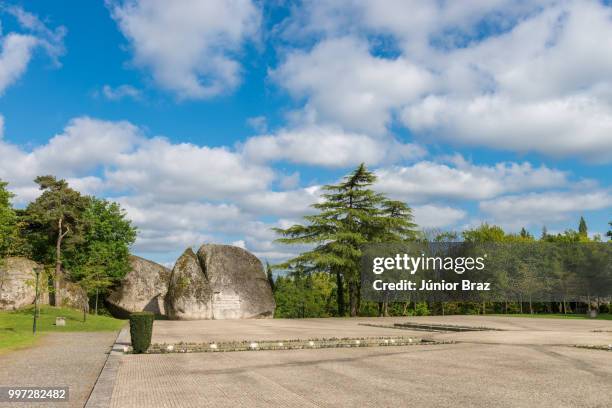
(142,289)
(17,279)
(240,288)
(189,296)
(17,286)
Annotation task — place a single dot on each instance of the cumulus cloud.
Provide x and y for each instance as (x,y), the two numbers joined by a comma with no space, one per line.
(190,47)
(345,84)
(461,180)
(499,74)
(17,48)
(328,146)
(538,208)
(437,216)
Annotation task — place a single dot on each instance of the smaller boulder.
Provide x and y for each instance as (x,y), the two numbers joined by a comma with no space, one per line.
(189,296)
(17,283)
(73,295)
(143,288)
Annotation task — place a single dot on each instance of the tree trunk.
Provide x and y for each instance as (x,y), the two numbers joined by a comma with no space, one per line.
(353,297)
(96,301)
(57,279)
(340,294)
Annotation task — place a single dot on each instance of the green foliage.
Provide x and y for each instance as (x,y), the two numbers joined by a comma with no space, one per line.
(609,233)
(103,257)
(304,295)
(485,233)
(56,216)
(8,222)
(350,215)
(141,330)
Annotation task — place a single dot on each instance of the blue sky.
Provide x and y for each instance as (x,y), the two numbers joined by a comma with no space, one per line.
(217,120)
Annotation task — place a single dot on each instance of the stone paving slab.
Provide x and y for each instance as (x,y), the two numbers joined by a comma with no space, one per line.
(58,359)
(473,375)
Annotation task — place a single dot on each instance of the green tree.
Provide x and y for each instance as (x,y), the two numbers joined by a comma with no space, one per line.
(485,233)
(8,221)
(350,215)
(56,219)
(582,228)
(103,258)
(609,233)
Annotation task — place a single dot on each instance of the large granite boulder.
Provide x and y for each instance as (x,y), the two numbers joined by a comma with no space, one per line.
(189,296)
(142,289)
(17,283)
(240,288)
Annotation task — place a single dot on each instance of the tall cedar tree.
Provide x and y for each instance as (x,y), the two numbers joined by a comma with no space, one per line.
(350,215)
(57,216)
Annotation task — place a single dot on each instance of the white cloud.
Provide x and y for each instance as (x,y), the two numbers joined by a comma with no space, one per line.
(524,86)
(18,47)
(537,208)
(345,84)
(184,171)
(282,203)
(437,216)
(328,146)
(462,180)
(16,54)
(578,125)
(120,92)
(189,46)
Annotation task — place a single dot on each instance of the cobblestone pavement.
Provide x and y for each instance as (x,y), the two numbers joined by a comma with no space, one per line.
(462,375)
(524,366)
(58,359)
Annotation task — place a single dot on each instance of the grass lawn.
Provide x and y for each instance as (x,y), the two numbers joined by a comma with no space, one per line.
(16,326)
(603,316)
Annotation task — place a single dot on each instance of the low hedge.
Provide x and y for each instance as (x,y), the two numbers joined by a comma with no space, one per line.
(141,329)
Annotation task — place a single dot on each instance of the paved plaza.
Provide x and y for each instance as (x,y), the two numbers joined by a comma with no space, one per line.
(529,363)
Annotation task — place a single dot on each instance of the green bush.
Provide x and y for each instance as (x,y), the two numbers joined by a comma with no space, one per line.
(141,329)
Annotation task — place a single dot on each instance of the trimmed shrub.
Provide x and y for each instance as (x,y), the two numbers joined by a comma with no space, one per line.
(141,329)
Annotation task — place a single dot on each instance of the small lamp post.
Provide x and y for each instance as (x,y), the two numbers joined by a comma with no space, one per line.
(37,272)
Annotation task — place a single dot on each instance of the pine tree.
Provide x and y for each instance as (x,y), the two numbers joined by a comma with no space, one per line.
(582,228)
(56,218)
(351,214)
